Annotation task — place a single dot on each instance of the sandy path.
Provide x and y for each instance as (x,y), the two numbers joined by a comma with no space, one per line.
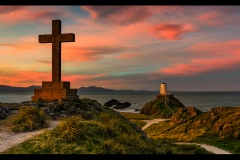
(9,139)
(150,122)
(212,149)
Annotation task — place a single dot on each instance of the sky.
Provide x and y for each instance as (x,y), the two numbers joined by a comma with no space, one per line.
(190,48)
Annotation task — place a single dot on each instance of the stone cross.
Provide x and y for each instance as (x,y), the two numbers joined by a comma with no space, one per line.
(56,38)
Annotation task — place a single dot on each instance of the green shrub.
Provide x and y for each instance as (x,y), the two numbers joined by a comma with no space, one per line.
(29,119)
(71,128)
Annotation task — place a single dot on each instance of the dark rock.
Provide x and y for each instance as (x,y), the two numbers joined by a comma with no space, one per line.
(111,102)
(122,105)
(136,110)
(4,112)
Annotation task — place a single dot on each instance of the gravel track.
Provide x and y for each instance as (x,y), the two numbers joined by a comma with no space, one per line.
(9,139)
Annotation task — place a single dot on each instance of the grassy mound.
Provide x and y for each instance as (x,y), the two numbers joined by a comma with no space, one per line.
(162,107)
(105,132)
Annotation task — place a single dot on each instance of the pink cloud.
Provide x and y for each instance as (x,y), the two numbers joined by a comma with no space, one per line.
(170,31)
(212,18)
(90,49)
(220,16)
(81,55)
(9,9)
(19,14)
(208,16)
(128,55)
(119,15)
(225,57)
(226,49)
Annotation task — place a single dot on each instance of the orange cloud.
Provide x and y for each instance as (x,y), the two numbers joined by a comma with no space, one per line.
(19,14)
(12,48)
(170,31)
(25,78)
(9,9)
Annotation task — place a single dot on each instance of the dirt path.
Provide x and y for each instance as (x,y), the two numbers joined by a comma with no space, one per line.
(9,139)
(212,149)
(150,122)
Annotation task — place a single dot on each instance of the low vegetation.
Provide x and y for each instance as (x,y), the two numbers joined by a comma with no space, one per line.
(219,127)
(30,119)
(137,118)
(89,131)
(162,107)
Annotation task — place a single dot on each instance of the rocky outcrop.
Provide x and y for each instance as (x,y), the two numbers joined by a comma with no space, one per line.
(116,104)
(122,105)
(184,114)
(189,123)
(162,107)
(56,109)
(4,112)
(111,102)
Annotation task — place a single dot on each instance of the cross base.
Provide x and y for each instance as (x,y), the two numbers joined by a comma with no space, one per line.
(55,91)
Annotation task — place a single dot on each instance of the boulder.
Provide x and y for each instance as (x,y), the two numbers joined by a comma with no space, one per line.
(122,105)
(111,102)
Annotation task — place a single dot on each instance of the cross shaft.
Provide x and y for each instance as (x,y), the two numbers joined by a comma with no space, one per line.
(56,38)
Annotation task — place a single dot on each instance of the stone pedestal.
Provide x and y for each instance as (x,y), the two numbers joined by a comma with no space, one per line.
(55,91)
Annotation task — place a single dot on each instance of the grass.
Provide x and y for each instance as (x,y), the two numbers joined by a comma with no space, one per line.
(139,123)
(232,146)
(175,134)
(107,133)
(30,119)
(136,116)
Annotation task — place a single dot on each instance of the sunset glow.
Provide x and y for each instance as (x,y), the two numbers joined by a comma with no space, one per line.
(125,47)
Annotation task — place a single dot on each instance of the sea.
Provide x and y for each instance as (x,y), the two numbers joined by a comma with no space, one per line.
(201,100)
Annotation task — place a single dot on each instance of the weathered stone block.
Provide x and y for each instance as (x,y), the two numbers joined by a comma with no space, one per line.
(55,85)
(55,90)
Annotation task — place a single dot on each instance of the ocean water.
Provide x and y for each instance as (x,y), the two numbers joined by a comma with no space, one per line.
(204,101)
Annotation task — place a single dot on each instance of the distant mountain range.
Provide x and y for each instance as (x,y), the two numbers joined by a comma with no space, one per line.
(6,88)
(100,89)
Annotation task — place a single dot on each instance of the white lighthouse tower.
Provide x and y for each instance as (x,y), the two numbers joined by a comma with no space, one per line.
(163,89)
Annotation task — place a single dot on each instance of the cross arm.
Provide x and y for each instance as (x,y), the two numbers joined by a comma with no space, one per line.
(67,37)
(47,38)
